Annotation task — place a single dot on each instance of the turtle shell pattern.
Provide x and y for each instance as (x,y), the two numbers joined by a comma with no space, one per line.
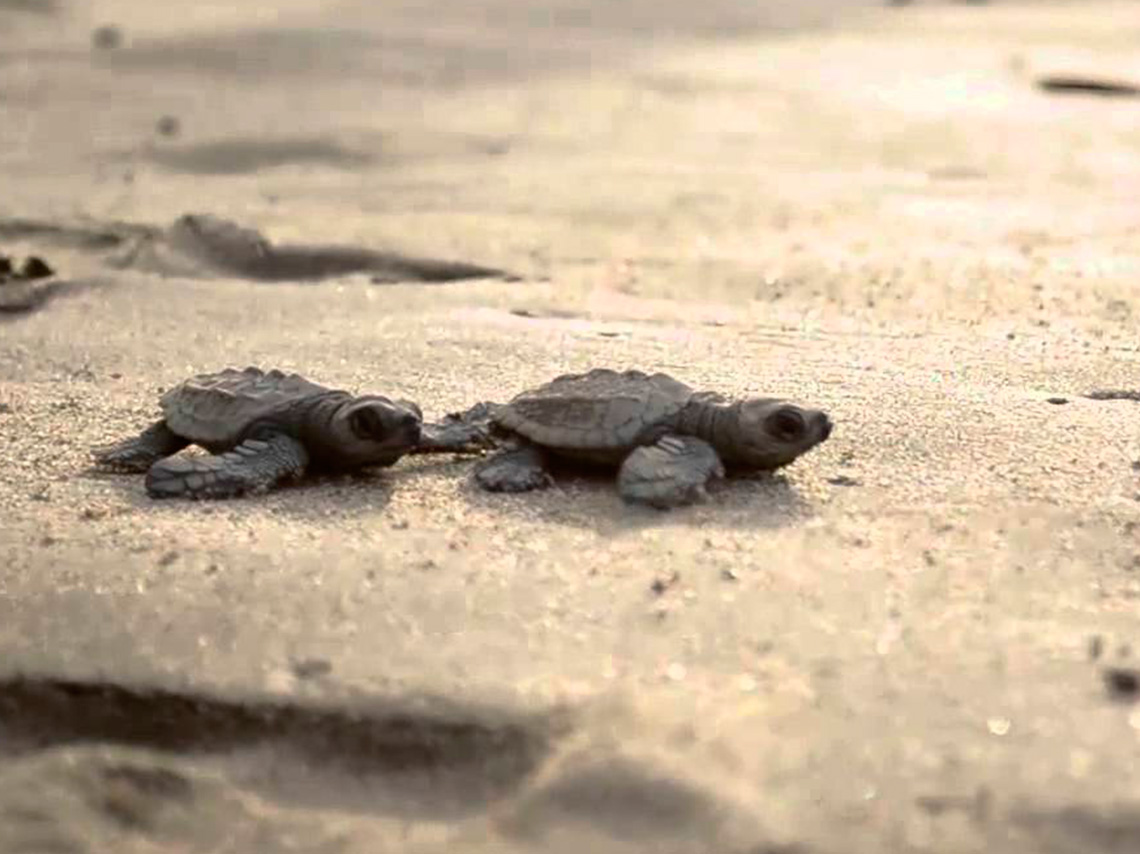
(216,408)
(602,410)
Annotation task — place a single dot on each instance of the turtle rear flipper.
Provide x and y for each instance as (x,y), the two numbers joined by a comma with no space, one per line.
(671,473)
(253,466)
(140,452)
(520,469)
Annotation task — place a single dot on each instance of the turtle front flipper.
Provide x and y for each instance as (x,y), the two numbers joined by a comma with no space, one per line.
(140,452)
(253,466)
(469,432)
(519,469)
(671,473)
(447,438)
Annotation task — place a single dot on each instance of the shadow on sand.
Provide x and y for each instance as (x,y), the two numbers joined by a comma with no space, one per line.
(207,246)
(432,755)
(361,492)
(590,501)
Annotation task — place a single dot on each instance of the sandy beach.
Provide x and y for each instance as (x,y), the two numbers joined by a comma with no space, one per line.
(917,638)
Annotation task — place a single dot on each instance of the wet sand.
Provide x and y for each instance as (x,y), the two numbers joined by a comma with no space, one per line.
(900,644)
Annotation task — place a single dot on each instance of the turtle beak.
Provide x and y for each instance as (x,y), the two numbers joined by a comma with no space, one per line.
(386,423)
(409,427)
(823,426)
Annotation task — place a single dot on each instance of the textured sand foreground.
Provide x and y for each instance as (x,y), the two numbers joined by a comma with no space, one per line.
(897,646)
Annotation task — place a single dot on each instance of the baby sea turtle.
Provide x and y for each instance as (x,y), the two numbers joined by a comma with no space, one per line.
(28,286)
(666,440)
(261,429)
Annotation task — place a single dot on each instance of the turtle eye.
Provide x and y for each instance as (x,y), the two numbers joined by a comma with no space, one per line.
(367,423)
(786,424)
(412,406)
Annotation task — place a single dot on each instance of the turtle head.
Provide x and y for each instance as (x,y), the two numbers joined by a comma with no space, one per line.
(374,430)
(771,433)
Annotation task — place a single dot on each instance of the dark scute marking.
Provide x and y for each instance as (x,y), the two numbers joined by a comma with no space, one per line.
(569,413)
(501,747)
(1064,84)
(1114,394)
(229,405)
(238,156)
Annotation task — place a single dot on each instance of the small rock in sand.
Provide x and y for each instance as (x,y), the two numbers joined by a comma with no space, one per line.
(36,268)
(107,37)
(1123,683)
(168,126)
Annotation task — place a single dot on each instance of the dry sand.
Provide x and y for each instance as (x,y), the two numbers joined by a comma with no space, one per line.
(898,646)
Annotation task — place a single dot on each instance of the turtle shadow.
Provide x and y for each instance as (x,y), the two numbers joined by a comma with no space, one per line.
(205,246)
(309,499)
(410,756)
(21,299)
(588,499)
(243,156)
(1106,828)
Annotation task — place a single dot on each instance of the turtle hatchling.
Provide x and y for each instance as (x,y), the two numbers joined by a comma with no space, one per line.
(262,428)
(666,440)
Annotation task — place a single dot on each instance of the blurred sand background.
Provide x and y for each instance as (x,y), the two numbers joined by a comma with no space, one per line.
(897,646)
